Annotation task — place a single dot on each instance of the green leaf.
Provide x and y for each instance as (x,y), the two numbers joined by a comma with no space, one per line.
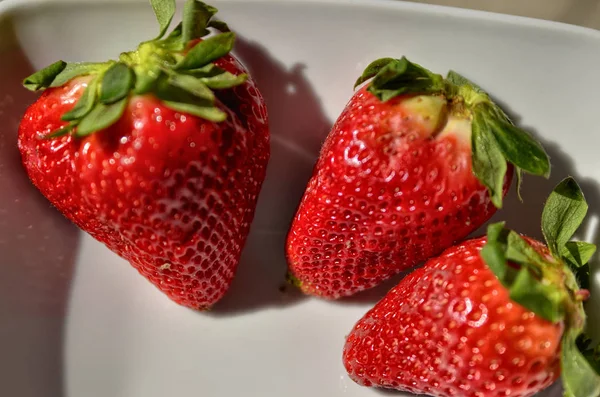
(192,85)
(210,113)
(164,11)
(518,250)
(590,351)
(182,100)
(493,255)
(219,25)
(43,78)
(144,81)
(489,165)
(579,378)
(577,253)
(76,69)
(209,70)
(196,16)
(563,213)
(85,104)
(519,173)
(400,76)
(176,33)
(64,130)
(207,51)
(497,232)
(372,69)
(545,300)
(460,80)
(224,80)
(173,42)
(473,95)
(116,83)
(524,284)
(517,146)
(169,92)
(580,358)
(102,116)
(532,280)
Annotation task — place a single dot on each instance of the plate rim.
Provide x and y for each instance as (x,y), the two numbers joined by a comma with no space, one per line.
(7,6)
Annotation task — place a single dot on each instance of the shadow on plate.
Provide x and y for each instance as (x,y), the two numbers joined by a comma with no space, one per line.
(298,127)
(553,391)
(37,253)
(392,392)
(526,216)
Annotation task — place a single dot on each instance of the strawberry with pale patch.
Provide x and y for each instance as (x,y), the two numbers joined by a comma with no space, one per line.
(498,315)
(160,155)
(414,163)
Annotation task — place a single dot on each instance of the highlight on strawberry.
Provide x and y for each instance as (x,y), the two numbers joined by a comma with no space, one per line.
(414,163)
(159,154)
(501,314)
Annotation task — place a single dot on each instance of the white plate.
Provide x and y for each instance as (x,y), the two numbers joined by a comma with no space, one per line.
(78,321)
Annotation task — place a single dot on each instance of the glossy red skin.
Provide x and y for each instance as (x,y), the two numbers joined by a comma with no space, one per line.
(449,329)
(171,193)
(383,197)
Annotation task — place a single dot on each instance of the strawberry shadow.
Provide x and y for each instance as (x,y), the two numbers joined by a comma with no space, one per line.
(369,297)
(553,391)
(392,392)
(525,216)
(38,247)
(298,127)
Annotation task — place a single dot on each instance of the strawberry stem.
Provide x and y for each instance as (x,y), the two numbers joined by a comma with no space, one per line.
(556,295)
(182,81)
(393,77)
(495,140)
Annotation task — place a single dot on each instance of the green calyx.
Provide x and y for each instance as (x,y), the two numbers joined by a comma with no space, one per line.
(554,287)
(495,140)
(183,81)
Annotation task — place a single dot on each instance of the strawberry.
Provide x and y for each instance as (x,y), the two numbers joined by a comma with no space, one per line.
(160,155)
(500,315)
(414,163)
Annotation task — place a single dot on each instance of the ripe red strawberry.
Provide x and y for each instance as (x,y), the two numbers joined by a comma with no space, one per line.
(143,155)
(404,173)
(494,316)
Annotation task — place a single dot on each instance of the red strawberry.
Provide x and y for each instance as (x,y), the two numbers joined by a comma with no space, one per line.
(494,316)
(146,158)
(404,174)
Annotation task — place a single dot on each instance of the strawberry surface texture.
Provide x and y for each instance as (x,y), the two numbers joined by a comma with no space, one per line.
(499,315)
(408,169)
(465,335)
(161,160)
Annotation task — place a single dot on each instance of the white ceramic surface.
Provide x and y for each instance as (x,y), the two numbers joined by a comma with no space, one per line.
(77,321)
